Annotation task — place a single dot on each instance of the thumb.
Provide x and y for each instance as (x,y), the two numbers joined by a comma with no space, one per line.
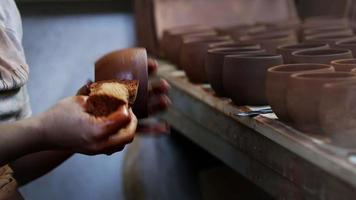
(117,120)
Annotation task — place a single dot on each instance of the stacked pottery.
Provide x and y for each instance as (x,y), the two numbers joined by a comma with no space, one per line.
(276,84)
(304,96)
(271,40)
(239,45)
(226,29)
(235,32)
(337,114)
(329,39)
(323,56)
(347,44)
(292,26)
(345,65)
(314,90)
(289,24)
(215,60)
(327,31)
(287,50)
(192,56)
(324,21)
(189,38)
(244,77)
(172,39)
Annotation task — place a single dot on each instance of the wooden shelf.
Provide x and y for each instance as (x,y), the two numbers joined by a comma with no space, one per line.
(284,162)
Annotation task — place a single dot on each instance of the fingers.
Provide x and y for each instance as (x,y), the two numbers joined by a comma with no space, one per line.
(152,66)
(114,122)
(158,100)
(154,128)
(159,87)
(117,141)
(158,103)
(84,90)
(81,101)
(126,135)
(113,150)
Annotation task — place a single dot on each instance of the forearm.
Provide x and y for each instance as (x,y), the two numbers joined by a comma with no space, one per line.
(35,165)
(20,138)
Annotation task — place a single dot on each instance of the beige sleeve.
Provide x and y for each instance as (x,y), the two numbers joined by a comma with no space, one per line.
(13,68)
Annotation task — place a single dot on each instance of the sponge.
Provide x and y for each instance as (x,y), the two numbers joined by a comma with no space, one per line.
(106,97)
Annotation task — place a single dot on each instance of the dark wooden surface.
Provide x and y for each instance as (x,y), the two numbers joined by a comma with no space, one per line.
(66,7)
(284,162)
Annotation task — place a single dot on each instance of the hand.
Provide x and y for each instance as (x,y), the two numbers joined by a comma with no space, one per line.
(67,126)
(158,100)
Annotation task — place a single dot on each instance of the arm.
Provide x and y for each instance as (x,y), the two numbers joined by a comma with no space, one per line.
(65,127)
(35,165)
(19,138)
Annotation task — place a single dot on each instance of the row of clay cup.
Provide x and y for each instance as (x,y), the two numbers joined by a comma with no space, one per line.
(334,31)
(268,35)
(219,61)
(327,30)
(315,99)
(316,93)
(301,94)
(186,46)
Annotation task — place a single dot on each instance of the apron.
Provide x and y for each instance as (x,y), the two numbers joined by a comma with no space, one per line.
(8,185)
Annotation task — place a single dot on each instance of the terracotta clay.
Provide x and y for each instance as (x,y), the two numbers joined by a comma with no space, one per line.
(244,77)
(240,28)
(214,64)
(323,56)
(284,24)
(347,44)
(237,31)
(304,95)
(337,113)
(127,64)
(287,50)
(324,21)
(276,84)
(272,33)
(271,41)
(240,45)
(192,58)
(293,26)
(345,65)
(330,39)
(172,40)
(326,30)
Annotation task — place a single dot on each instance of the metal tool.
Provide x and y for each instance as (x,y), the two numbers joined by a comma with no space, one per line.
(253,113)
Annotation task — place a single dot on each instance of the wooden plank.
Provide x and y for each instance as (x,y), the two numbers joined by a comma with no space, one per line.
(319,170)
(240,162)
